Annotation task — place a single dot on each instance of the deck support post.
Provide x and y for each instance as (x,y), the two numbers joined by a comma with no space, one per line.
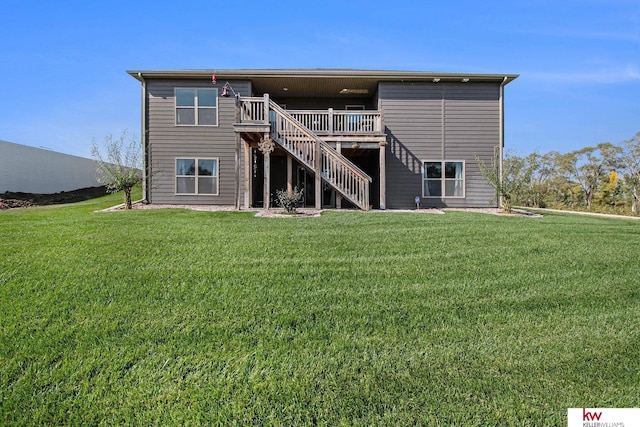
(318,175)
(267,184)
(338,196)
(266,145)
(247,175)
(265,98)
(289,173)
(383,176)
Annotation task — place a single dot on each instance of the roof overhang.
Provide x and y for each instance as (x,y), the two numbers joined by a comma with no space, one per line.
(320,82)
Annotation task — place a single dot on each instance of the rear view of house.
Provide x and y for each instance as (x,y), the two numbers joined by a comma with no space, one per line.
(349,138)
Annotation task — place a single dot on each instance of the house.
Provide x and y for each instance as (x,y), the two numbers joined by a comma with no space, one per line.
(349,138)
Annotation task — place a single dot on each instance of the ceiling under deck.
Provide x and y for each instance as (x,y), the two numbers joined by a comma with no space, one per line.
(321,87)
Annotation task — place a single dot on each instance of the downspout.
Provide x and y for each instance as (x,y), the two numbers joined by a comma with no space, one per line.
(501,146)
(143,137)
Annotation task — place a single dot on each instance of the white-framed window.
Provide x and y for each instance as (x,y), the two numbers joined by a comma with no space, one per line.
(197,176)
(443,179)
(196,107)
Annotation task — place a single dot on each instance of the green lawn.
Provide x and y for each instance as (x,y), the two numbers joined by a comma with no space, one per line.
(174,317)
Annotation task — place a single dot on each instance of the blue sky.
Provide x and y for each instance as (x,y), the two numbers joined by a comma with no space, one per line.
(63,62)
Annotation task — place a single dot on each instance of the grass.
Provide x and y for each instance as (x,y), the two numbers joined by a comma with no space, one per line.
(174,317)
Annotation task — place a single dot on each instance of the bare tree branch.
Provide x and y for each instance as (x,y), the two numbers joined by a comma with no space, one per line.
(119,167)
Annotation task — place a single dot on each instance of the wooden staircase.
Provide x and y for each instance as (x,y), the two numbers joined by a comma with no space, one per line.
(309,149)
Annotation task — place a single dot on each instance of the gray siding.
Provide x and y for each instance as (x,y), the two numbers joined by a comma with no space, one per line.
(439,121)
(167,142)
(34,170)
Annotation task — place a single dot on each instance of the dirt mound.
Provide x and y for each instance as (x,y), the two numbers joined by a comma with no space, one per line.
(10,200)
(13,203)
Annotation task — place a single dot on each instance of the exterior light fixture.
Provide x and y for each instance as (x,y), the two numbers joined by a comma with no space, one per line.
(465,80)
(436,80)
(225,90)
(225,93)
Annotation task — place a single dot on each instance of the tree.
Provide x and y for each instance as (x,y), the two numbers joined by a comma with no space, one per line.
(588,166)
(631,160)
(120,168)
(536,174)
(515,176)
(609,191)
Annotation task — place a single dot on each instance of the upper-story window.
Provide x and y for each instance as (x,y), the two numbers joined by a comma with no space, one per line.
(197,107)
(443,179)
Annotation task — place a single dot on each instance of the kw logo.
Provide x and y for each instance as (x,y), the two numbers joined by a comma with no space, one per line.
(590,416)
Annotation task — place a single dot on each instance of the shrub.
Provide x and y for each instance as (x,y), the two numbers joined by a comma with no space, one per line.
(289,200)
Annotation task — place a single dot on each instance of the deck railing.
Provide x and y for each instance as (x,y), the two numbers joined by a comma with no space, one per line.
(294,137)
(254,110)
(320,122)
(332,122)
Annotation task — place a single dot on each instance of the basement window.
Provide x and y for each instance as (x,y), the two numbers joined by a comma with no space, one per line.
(443,179)
(197,176)
(196,107)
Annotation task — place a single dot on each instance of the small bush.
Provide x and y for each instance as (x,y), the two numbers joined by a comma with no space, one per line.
(289,200)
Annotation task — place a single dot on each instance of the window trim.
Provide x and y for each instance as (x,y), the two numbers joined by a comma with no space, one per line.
(195,107)
(443,180)
(196,159)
